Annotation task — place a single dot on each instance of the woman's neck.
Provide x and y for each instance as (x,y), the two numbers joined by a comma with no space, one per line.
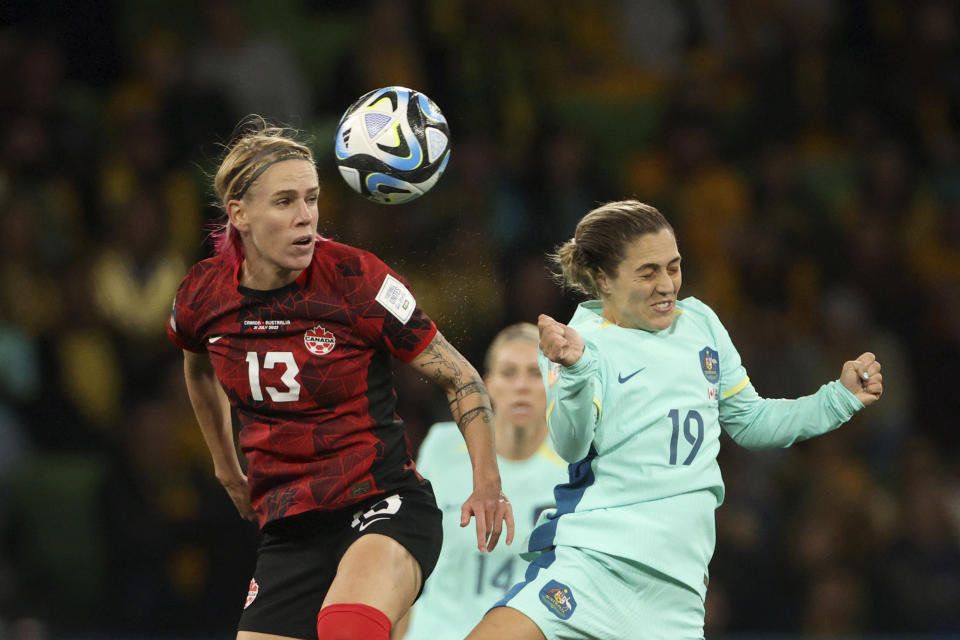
(519,442)
(264,278)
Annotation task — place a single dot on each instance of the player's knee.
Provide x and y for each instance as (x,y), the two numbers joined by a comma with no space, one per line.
(352,622)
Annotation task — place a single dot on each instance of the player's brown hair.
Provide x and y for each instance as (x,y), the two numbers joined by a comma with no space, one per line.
(599,243)
(256,145)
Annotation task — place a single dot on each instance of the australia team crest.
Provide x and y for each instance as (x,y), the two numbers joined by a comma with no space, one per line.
(558,599)
(710,365)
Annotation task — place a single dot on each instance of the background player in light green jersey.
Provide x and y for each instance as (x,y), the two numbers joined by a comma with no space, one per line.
(639,386)
(466,583)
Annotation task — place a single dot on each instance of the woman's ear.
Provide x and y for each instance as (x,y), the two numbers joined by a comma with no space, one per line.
(600,278)
(237,213)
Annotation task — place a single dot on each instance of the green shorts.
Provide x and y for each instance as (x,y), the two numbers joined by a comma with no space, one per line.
(572,592)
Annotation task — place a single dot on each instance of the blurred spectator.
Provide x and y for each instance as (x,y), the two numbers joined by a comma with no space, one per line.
(169,525)
(917,578)
(255,72)
(136,274)
(29,292)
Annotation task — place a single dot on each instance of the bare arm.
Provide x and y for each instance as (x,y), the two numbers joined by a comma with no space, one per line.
(212,409)
(470,405)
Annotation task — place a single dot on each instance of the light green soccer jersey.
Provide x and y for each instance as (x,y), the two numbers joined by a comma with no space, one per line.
(639,415)
(466,583)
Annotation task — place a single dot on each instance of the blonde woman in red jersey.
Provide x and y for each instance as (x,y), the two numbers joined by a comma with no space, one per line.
(294,333)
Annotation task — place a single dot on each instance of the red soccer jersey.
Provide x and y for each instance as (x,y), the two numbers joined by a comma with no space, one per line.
(307,369)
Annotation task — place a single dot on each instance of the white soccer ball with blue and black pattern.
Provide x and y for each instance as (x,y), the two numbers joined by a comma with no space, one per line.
(392,145)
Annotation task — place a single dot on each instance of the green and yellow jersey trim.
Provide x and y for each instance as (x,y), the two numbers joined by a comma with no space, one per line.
(734,390)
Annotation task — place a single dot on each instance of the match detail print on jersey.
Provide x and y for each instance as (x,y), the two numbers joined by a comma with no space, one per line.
(396,299)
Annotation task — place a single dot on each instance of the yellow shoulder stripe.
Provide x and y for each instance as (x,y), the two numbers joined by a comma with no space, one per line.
(551,455)
(732,391)
(599,407)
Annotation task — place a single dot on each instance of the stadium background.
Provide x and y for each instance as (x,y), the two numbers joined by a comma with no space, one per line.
(807,152)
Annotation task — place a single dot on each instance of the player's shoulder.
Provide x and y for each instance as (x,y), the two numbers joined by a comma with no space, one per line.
(346,263)
(205,276)
(443,441)
(329,250)
(692,309)
(587,319)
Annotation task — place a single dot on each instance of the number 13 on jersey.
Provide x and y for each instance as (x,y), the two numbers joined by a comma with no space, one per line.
(289,377)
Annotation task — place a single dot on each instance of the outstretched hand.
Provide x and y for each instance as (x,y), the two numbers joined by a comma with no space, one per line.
(863,378)
(558,342)
(491,509)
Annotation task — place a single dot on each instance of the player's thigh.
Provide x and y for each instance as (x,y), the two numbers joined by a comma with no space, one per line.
(253,635)
(396,546)
(573,593)
(504,622)
(296,563)
(379,572)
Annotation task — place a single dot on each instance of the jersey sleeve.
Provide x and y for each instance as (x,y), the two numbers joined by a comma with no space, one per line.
(388,313)
(755,422)
(181,327)
(573,408)
(733,375)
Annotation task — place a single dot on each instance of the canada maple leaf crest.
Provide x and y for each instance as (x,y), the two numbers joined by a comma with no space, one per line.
(319,341)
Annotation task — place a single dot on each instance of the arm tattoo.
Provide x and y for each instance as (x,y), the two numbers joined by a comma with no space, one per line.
(485,414)
(446,367)
(465,390)
(441,362)
(474,386)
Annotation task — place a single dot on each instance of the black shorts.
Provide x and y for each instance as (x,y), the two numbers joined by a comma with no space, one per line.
(298,556)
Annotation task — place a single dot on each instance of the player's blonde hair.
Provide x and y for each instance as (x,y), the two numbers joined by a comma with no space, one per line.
(519,331)
(599,243)
(256,145)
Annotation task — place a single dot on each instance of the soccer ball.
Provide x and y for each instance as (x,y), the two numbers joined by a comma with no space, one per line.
(392,145)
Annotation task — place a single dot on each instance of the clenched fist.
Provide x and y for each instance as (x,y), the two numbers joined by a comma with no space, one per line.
(863,378)
(558,342)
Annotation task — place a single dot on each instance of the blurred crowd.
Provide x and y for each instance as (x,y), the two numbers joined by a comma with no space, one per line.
(806,151)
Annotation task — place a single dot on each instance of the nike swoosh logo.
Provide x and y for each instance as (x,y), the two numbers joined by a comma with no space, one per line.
(624,379)
(214,339)
(370,522)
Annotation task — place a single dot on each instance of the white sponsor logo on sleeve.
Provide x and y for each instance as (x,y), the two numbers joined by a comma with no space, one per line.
(396,299)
